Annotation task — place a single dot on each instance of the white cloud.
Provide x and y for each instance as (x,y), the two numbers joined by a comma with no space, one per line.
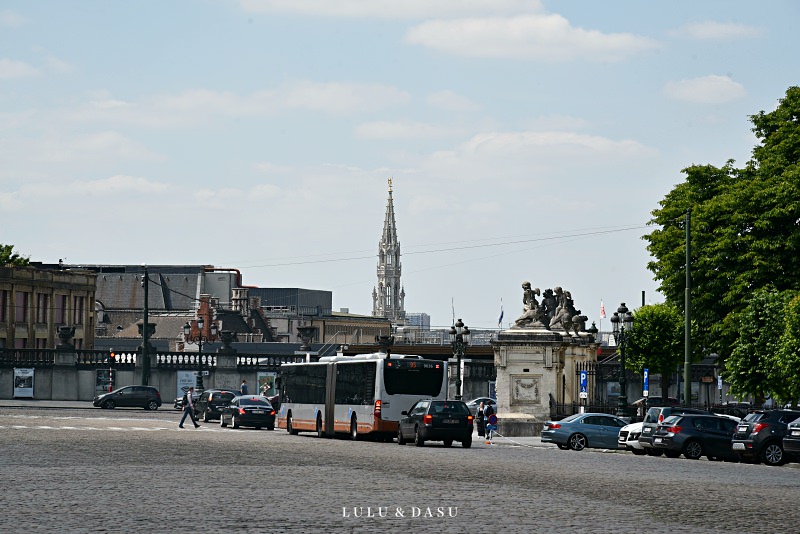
(391,9)
(12,69)
(706,90)
(535,37)
(96,147)
(712,30)
(450,101)
(341,98)
(404,130)
(10,19)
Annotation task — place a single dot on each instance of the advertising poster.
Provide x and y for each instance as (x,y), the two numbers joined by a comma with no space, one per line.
(186,379)
(23,383)
(104,381)
(266,384)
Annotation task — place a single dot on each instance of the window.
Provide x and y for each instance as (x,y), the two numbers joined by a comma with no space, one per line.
(21,307)
(77,310)
(3,305)
(60,309)
(355,383)
(41,307)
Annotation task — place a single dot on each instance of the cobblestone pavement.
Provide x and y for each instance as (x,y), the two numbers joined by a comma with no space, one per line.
(71,470)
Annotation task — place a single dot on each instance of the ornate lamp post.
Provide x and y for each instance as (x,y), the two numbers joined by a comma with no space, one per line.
(622,321)
(459,335)
(191,338)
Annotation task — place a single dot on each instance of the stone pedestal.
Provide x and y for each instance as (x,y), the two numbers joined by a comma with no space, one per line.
(536,370)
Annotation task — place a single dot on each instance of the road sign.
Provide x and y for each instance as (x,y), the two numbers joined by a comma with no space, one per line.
(646,391)
(584,394)
(492,420)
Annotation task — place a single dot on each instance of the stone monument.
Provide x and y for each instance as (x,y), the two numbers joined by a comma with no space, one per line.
(535,360)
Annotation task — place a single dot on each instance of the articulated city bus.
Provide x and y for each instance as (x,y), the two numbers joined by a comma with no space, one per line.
(357,395)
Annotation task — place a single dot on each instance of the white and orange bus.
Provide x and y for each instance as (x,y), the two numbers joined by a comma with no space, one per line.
(358,395)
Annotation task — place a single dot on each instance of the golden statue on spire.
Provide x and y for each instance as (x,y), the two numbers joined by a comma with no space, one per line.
(390,185)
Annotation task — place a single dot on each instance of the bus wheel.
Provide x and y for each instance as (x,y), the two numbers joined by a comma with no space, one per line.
(320,433)
(353,429)
(289,427)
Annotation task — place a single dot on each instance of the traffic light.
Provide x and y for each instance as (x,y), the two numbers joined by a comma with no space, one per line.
(112,358)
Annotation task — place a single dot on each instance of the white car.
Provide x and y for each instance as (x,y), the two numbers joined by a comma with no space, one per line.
(629,438)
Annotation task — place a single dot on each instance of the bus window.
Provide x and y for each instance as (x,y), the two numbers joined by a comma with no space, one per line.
(355,383)
(425,380)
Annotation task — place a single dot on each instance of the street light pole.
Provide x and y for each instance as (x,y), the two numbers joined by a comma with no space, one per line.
(187,332)
(459,335)
(622,320)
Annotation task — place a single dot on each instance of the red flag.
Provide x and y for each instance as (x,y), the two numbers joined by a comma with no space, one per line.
(602,310)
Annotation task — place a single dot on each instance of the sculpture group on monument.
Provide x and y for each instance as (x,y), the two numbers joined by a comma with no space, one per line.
(556,311)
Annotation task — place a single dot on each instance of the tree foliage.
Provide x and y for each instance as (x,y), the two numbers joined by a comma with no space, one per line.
(9,257)
(745,230)
(788,361)
(656,342)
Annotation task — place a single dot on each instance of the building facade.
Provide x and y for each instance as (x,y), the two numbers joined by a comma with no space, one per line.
(388,298)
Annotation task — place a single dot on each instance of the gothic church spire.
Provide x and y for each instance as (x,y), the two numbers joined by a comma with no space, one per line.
(388,299)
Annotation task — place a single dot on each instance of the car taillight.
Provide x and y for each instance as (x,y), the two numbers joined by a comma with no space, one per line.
(428,419)
(554,425)
(661,418)
(674,429)
(469,419)
(759,427)
(377,411)
(241,411)
(272,412)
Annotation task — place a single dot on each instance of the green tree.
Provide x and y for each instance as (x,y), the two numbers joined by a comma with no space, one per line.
(9,257)
(745,230)
(753,367)
(656,342)
(788,364)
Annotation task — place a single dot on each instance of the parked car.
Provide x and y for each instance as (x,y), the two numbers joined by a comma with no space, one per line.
(759,436)
(656,415)
(791,441)
(628,438)
(211,403)
(695,435)
(146,397)
(584,430)
(248,410)
(178,404)
(474,403)
(436,420)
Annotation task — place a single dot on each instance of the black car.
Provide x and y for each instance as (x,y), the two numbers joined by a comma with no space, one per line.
(759,436)
(248,410)
(211,403)
(656,415)
(695,435)
(436,420)
(146,397)
(791,441)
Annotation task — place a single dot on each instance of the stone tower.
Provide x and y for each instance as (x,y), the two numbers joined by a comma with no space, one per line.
(388,299)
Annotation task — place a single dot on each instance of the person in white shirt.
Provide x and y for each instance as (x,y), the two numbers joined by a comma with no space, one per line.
(188,408)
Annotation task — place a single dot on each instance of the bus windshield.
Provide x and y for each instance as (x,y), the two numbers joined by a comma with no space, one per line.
(413,377)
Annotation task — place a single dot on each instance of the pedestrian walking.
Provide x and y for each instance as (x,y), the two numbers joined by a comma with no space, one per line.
(188,408)
(479,419)
(487,411)
(243,387)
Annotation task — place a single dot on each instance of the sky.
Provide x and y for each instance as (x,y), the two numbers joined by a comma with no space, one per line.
(525,140)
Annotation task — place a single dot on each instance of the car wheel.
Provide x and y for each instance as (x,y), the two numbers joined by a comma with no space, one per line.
(234,422)
(354,429)
(693,450)
(448,443)
(289,428)
(222,422)
(205,417)
(671,454)
(638,452)
(577,442)
(562,446)
(271,427)
(152,406)
(109,405)
(418,441)
(400,439)
(467,443)
(773,454)
(258,428)
(653,452)
(320,433)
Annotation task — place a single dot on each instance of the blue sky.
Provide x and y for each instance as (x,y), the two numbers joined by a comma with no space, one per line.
(526,140)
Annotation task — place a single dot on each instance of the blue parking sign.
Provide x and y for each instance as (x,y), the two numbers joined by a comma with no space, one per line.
(646,391)
(583,392)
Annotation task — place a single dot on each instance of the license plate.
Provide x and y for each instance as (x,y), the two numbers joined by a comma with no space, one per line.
(742,429)
(647,430)
(738,446)
(658,440)
(450,421)
(258,412)
(795,433)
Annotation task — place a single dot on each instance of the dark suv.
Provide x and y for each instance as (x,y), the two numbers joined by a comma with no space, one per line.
(210,403)
(436,420)
(146,397)
(759,436)
(694,436)
(653,417)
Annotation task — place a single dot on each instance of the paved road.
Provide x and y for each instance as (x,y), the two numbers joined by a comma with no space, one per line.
(80,470)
